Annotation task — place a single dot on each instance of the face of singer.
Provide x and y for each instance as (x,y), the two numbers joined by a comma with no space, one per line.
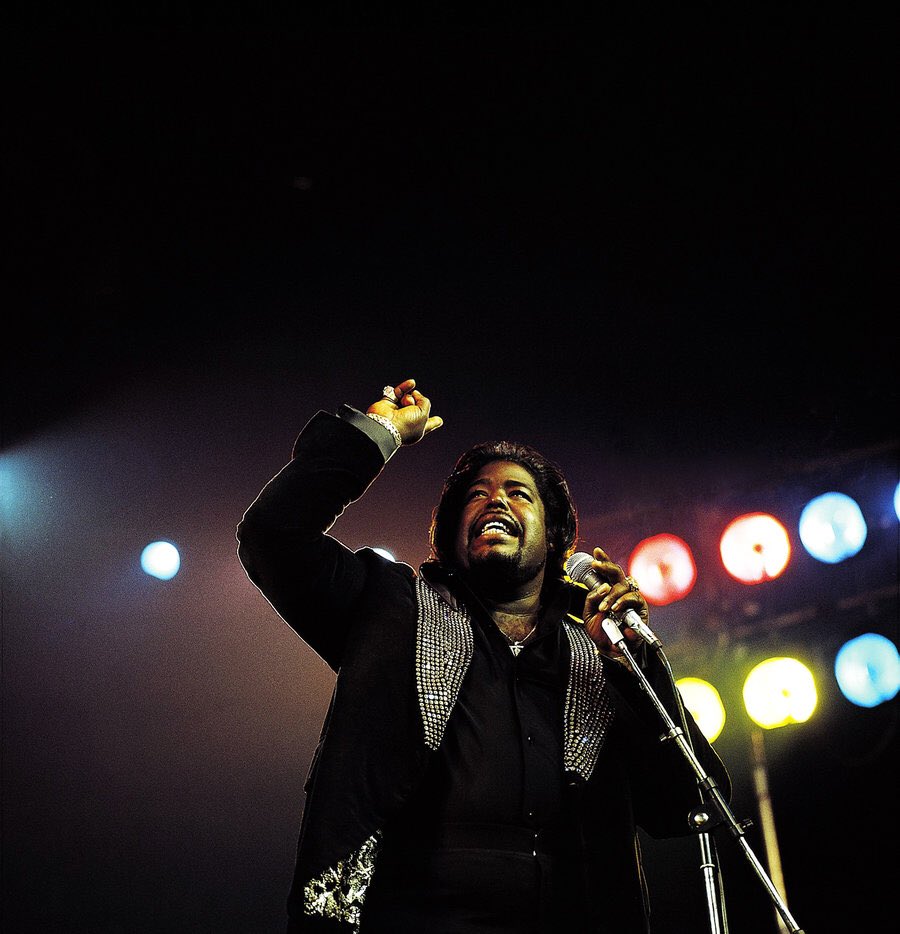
(502,528)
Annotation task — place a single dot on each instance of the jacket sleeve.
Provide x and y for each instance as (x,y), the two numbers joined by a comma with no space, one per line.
(663,783)
(311,579)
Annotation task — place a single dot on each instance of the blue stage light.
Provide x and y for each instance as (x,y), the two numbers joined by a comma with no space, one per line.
(832,527)
(161,559)
(867,669)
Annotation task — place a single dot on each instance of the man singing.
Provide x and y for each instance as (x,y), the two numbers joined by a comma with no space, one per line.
(487,755)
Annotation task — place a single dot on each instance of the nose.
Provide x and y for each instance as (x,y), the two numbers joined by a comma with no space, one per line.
(498,498)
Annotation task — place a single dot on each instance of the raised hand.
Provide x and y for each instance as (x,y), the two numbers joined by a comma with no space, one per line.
(410,414)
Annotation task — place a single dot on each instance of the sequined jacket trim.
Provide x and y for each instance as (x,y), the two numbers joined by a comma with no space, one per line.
(444,648)
(339,892)
(588,710)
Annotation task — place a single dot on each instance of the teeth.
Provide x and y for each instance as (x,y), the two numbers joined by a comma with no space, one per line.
(495,525)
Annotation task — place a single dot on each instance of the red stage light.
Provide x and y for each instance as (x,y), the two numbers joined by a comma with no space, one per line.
(755,547)
(664,568)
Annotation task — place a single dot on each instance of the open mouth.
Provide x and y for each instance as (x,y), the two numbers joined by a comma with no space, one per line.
(494,527)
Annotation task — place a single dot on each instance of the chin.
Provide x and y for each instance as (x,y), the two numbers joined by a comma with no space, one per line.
(502,567)
(495,558)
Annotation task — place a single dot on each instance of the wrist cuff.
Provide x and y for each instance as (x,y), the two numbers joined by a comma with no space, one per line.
(385,436)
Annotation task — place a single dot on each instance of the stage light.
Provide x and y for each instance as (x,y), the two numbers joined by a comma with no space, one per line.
(779,691)
(755,548)
(832,527)
(867,670)
(384,553)
(664,568)
(705,705)
(161,559)
(897,500)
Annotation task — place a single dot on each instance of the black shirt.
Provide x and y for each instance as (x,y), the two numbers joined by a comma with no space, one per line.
(472,849)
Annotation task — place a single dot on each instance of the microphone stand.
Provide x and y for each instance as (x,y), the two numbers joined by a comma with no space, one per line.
(712,879)
(709,860)
(714,811)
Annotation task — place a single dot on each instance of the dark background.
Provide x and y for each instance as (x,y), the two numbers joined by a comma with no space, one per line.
(652,242)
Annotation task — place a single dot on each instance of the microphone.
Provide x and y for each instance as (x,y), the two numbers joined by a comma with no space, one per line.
(578,567)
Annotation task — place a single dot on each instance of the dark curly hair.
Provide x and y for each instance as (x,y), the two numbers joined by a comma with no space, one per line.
(561,517)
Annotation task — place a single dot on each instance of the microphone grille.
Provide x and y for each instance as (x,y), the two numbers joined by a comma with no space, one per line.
(578,565)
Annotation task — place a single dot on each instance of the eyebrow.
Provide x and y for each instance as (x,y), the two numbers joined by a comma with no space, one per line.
(507,484)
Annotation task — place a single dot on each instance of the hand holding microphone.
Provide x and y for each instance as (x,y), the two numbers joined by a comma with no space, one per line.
(613,600)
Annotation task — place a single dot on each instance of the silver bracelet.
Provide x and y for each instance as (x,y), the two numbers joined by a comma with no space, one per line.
(386,423)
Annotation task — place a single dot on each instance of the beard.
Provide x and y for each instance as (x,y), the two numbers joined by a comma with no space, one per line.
(496,572)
